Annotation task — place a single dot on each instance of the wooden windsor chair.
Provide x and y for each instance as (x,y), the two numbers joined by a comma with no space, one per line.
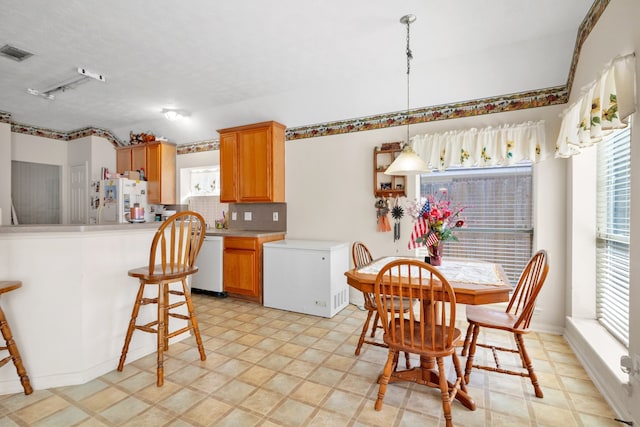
(516,320)
(172,259)
(427,329)
(362,256)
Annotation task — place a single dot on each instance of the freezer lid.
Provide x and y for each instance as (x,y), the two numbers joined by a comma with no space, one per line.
(306,244)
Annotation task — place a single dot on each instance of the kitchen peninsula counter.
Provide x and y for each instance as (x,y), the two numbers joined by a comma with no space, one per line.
(63,228)
(70,317)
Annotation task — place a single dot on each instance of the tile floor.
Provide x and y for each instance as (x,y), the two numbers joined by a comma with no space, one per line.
(274,368)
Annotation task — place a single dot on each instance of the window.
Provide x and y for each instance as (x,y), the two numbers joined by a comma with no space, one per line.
(613,196)
(205,182)
(499,224)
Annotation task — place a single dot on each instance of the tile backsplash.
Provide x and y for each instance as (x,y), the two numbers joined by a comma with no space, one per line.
(258,216)
(209,207)
(262,214)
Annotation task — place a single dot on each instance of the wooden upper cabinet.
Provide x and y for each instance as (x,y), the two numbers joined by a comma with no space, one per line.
(228,167)
(138,158)
(161,173)
(252,163)
(131,158)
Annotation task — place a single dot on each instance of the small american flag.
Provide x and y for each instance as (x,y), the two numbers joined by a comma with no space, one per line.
(432,239)
(419,228)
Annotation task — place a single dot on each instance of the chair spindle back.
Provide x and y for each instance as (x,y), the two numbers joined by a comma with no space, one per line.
(428,325)
(523,300)
(177,242)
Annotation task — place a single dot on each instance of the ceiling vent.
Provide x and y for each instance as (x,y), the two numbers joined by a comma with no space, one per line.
(14,53)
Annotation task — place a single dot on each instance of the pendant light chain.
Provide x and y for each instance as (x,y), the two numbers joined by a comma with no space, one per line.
(409,58)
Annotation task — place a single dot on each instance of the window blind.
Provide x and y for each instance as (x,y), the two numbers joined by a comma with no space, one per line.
(498,214)
(613,208)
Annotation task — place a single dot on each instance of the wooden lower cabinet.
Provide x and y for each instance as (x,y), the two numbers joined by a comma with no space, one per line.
(242,266)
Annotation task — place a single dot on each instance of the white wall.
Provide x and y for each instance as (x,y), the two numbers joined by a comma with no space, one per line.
(5,173)
(103,154)
(329,183)
(616,33)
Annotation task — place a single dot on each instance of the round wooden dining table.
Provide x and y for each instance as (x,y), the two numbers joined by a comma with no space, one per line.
(473,281)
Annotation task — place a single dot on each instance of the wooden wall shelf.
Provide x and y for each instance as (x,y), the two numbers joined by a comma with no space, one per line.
(387,185)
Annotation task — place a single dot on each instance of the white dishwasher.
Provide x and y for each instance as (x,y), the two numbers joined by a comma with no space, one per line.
(208,279)
(306,276)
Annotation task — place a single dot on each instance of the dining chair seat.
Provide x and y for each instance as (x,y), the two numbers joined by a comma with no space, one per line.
(176,244)
(412,335)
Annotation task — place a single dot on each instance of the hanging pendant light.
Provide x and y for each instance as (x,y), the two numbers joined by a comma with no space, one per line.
(408,162)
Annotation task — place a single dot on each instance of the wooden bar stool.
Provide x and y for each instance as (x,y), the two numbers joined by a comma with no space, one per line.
(14,354)
(176,245)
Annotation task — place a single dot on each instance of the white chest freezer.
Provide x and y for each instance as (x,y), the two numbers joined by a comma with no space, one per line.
(306,276)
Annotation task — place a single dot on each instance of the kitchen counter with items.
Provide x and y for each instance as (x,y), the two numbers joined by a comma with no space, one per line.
(242,233)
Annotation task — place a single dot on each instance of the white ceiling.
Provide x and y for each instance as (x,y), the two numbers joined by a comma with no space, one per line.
(297,62)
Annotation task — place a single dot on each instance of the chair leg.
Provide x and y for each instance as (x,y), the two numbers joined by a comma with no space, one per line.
(471,353)
(407,360)
(526,362)
(467,339)
(384,378)
(162,333)
(458,369)
(444,391)
(365,327)
(376,321)
(14,354)
(194,321)
(132,326)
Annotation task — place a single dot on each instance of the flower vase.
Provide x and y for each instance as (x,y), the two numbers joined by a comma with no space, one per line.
(435,256)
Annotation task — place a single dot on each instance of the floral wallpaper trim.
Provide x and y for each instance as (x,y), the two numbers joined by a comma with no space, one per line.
(589,21)
(499,104)
(60,135)
(198,147)
(5,117)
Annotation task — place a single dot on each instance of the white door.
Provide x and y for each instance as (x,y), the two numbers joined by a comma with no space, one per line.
(79,194)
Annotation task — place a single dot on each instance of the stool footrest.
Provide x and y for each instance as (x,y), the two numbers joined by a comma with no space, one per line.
(179,316)
(176,304)
(5,361)
(178,332)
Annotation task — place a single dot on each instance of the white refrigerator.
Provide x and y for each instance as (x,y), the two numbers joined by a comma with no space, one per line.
(116,196)
(306,276)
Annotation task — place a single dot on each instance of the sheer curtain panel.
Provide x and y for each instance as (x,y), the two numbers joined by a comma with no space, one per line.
(492,146)
(604,105)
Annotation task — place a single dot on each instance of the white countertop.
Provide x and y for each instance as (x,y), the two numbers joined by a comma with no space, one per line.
(64,228)
(306,244)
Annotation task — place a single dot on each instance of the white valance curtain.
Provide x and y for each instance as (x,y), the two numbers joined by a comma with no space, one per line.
(604,105)
(491,146)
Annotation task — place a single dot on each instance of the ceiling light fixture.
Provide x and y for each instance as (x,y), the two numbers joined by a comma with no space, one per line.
(85,75)
(173,114)
(408,162)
